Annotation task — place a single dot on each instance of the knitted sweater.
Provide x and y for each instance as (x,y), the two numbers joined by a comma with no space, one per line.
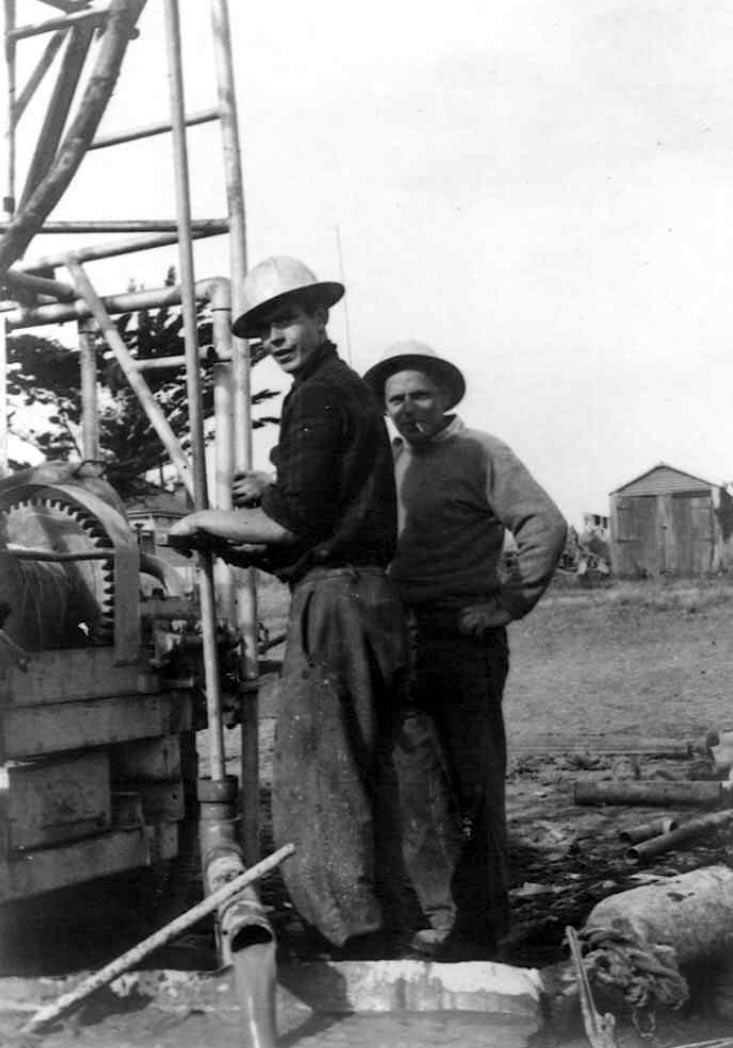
(456,496)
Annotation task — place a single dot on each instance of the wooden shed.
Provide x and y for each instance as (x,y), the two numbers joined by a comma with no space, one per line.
(668,522)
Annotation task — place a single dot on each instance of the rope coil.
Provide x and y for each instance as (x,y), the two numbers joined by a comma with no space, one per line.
(645,974)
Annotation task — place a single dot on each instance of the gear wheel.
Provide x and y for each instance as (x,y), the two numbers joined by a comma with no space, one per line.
(48,519)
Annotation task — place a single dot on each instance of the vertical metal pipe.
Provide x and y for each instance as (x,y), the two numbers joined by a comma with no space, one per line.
(10,46)
(3,397)
(237,224)
(195,406)
(242,394)
(223,447)
(89,399)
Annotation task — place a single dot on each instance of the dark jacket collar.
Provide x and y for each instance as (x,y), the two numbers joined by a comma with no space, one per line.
(326,352)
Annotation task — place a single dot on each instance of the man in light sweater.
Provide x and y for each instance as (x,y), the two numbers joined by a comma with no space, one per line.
(459,491)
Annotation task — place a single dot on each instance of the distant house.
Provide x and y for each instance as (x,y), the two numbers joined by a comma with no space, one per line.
(152,518)
(668,522)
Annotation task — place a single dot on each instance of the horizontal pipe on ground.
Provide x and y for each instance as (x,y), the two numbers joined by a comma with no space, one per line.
(683,751)
(114,248)
(667,841)
(647,830)
(40,285)
(133,134)
(52,24)
(665,793)
(132,225)
(611,744)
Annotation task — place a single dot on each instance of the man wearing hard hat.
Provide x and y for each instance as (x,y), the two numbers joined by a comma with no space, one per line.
(326,522)
(459,491)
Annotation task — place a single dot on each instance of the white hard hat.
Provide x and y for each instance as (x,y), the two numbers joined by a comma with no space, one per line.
(412,355)
(279,278)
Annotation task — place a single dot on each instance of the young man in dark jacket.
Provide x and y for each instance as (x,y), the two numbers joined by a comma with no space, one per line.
(327,522)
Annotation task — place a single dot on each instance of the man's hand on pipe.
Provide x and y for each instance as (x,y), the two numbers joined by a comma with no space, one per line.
(248,486)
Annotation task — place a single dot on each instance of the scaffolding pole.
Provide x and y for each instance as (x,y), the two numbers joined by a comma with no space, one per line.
(59,106)
(11,73)
(195,406)
(53,46)
(242,399)
(129,225)
(115,248)
(127,362)
(80,18)
(89,398)
(133,134)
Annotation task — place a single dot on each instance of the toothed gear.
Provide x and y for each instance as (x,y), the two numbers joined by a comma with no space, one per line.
(50,522)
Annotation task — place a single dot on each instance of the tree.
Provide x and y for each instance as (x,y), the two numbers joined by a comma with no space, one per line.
(44,374)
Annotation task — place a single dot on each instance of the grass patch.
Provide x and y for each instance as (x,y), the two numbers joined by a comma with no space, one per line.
(651,594)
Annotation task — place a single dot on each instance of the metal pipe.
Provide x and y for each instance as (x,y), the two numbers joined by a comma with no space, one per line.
(80,18)
(43,65)
(667,841)
(223,467)
(139,386)
(153,942)
(132,225)
(57,113)
(193,379)
(246,936)
(11,74)
(667,794)
(169,363)
(112,248)
(237,225)
(153,298)
(123,15)
(647,830)
(242,394)
(205,116)
(40,285)
(89,398)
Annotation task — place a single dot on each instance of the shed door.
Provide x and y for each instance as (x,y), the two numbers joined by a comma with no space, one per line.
(637,540)
(692,539)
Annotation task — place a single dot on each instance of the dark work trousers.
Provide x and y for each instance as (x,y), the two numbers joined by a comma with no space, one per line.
(459,682)
(345,659)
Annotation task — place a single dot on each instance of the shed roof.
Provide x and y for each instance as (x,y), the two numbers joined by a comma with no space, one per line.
(663,479)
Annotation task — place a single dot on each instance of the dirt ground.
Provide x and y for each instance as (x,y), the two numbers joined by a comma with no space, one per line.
(602,681)
(598,676)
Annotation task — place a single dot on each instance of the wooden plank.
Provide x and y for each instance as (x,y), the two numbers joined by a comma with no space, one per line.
(158,759)
(127,809)
(161,801)
(34,731)
(35,872)
(60,800)
(72,674)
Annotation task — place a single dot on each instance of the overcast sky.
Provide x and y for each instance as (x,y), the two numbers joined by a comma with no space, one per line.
(542,191)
